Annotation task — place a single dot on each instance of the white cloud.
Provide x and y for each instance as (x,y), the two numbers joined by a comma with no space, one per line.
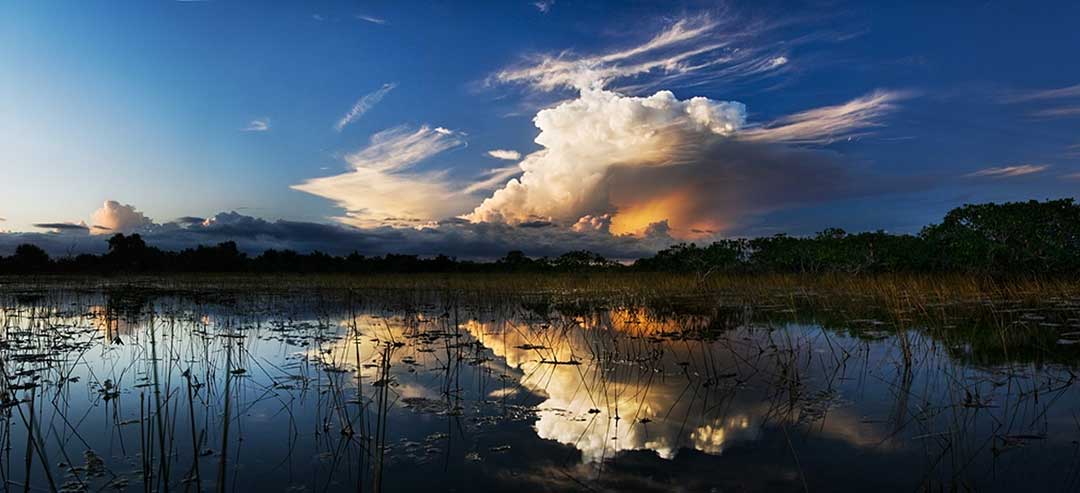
(1060,112)
(617,164)
(693,165)
(589,222)
(1010,171)
(258,125)
(363,105)
(114,217)
(380,190)
(699,46)
(371,19)
(505,154)
(584,138)
(824,125)
(495,178)
(544,5)
(1045,94)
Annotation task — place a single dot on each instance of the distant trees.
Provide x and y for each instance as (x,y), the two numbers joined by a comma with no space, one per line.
(720,255)
(130,253)
(832,250)
(29,258)
(1041,238)
(1012,237)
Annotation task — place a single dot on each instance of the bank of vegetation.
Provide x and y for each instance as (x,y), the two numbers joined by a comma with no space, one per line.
(1016,239)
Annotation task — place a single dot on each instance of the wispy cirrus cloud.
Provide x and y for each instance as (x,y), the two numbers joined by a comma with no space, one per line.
(504,154)
(544,5)
(257,125)
(1050,99)
(1059,112)
(494,178)
(380,190)
(700,46)
(1009,171)
(372,19)
(1043,94)
(363,105)
(829,123)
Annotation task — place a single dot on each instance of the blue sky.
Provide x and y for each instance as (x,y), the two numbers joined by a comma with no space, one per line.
(197,108)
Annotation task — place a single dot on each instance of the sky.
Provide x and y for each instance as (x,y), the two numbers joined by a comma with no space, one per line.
(472,128)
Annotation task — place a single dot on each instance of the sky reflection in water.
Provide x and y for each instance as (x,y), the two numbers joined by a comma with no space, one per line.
(517,395)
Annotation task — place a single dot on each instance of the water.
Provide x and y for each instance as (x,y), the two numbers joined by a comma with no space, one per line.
(260,391)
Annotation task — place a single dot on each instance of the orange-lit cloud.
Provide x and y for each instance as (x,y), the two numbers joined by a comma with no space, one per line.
(114,217)
(694,163)
(611,161)
(619,162)
(676,208)
(379,188)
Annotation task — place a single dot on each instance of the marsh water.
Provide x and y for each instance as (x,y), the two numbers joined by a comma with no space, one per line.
(401,390)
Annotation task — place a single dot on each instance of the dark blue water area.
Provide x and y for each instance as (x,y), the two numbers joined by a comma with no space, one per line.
(271,393)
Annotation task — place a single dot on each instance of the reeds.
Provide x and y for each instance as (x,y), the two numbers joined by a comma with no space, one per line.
(602,364)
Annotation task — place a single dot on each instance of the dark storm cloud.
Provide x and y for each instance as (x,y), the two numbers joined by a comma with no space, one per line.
(453,237)
(535,224)
(731,183)
(62,226)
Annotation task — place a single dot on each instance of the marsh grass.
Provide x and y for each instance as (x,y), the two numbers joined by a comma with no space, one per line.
(668,355)
(917,291)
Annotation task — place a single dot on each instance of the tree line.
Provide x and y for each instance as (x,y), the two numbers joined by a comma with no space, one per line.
(1037,238)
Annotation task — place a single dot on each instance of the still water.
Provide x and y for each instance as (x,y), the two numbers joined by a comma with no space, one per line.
(314,390)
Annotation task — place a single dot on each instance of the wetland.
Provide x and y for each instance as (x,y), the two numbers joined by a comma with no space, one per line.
(540,383)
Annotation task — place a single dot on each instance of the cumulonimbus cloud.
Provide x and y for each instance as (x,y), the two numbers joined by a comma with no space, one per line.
(363,105)
(624,164)
(693,163)
(695,167)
